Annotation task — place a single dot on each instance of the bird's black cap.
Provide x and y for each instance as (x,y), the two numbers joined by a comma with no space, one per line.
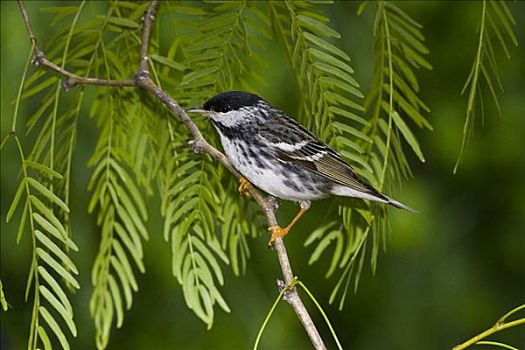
(231,101)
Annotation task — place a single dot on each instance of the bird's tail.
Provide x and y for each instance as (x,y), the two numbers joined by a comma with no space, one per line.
(399,205)
(371,194)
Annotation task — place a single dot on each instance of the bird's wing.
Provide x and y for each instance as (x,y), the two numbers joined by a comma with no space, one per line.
(293,143)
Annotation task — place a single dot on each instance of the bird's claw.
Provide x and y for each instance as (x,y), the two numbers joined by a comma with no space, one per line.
(277,231)
(244,186)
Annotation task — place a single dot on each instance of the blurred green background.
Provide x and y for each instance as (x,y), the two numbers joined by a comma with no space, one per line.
(449,272)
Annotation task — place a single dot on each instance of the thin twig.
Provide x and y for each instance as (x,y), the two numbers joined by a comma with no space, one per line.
(198,144)
(40,59)
(494,329)
(72,79)
(148,20)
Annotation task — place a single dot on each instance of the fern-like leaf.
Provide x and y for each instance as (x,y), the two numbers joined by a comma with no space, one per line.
(393,96)
(218,59)
(496,25)
(399,52)
(239,219)
(45,183)
(324,75)
(50,262)
(190,207)
(329,106)
(121,215)
(377,154)
(83,47)
(3,300)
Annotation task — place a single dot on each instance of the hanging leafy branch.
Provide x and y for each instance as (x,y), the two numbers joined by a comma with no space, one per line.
(90,53)
(117,199)
(193,200)
(121,215)
(48,217)
(59,127)
(89,50)
(49,260)
(239,221)
(207,225)
(393,97)
(328,89)
(190,207)
(495,25)
(328,106)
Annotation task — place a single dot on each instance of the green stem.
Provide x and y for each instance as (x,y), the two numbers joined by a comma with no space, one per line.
(473,86)
(322,313)
(21,87)
(59,88)
(496,344)
(511,312)
(377,108)
(268,316)
(33,338)
(347,270)
(494,329)
(390,101)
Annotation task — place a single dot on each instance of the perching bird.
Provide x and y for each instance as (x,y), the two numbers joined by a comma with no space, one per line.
(278,155)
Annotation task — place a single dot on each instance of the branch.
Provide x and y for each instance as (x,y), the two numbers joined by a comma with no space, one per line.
(499,326)
(39,59)
(494,329)
(72,79)
(198,144)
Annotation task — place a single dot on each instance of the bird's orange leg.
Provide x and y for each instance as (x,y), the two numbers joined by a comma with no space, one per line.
(278,231)
(244,186)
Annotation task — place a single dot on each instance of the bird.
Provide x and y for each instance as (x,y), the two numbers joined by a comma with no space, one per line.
(278,155)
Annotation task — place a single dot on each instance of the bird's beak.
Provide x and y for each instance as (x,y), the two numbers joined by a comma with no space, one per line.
(198,110)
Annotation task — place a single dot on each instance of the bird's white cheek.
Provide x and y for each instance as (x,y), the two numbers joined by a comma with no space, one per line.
(229,119)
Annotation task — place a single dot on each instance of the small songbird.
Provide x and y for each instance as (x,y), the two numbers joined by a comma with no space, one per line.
(281,157)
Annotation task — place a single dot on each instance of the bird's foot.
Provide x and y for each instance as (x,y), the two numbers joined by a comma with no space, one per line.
(244,186)
(277,231)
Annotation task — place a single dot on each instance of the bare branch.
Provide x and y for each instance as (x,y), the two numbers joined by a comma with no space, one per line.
(148,19)
(32,37)
(39,59)
(198,144)
(73,79)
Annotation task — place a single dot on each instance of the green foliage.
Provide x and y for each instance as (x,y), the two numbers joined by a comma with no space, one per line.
(50,258)
(224,50)
(399,51)
(323,75)
(89,54)
(205,224)
(190,206)
(217,54)
(240,219)
(328,92)
(392,98)
(121,215)
(3,300)
(121,211)
(216,47)
(495,25)
(41,189)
